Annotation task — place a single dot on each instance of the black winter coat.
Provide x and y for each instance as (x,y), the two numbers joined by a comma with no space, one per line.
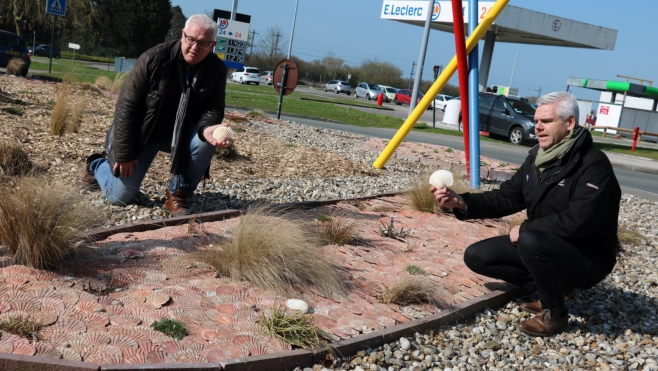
(154,76)
(576,198)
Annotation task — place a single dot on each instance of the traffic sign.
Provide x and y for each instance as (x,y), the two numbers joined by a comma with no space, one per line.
(292,76)
(231,40)
(56,7)
(74,46)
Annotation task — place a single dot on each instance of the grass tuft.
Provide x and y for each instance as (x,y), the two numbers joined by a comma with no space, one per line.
(14,111)
(117,84)
(229,152)
(40,222)
(15,67)
(170,327)
(415,290)
(13,159)
(628,237)
(337,229)
(296,328)
(257,114)
(103,83)
(420,198)
(65,117)
(415,270)
(23,326)
(276,251)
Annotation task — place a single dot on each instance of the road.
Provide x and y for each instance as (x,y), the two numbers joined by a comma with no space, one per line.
(632,182)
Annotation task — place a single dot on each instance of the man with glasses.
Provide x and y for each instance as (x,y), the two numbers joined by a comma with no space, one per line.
(172,101)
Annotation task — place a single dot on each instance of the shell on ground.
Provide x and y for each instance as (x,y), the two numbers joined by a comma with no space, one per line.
(297,305)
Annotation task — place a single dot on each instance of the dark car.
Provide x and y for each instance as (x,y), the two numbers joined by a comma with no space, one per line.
(43,50)
(511,117)
(13,46)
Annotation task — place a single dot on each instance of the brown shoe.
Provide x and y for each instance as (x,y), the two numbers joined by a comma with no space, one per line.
(535,307)
(543,324)
(87,179)
(176,204)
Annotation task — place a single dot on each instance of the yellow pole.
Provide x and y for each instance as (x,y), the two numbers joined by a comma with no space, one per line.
(440,82)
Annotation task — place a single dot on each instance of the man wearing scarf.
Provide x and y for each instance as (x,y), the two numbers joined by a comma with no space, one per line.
(172,101)
(569,240)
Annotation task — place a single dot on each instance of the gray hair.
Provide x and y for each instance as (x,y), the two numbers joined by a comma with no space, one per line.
(204,22)
(565,104)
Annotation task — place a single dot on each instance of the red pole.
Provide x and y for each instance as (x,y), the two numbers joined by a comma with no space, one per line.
(380,99)
(636,133)
(462,64)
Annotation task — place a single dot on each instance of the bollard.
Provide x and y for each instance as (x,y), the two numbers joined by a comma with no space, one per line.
(636,134)
(380,99)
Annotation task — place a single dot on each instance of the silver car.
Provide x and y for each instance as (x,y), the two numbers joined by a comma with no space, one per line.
(338,86)
(370,91)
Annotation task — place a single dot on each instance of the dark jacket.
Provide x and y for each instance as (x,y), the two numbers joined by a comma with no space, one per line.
(576,198)
(141,103)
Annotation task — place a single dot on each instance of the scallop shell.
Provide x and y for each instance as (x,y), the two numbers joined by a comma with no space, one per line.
(105,359)
(157,299)
(156,356)
(441,179)
(122,341)
(125,320)
(45,350)
(95,338)
(6,346)
(187,356)
(46,318)
(172,346)
(257,349)
(297,305)
(87,306)
(136,358)
(222,133)
(24,349)
(4,306)
(69,354)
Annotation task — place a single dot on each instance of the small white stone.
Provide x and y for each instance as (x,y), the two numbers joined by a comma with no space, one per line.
(297,305)
(405,343)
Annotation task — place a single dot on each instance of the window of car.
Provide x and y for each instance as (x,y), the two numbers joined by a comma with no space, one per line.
(500,105)
(252,70)
(240,70)
(362,85)
(486,100)
(373,86)
(11,40)
(522,107)
(390,90)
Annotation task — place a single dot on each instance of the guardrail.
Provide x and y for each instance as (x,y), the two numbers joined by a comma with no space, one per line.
(624,130)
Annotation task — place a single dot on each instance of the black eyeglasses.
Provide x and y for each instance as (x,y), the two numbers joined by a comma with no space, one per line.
(200,44)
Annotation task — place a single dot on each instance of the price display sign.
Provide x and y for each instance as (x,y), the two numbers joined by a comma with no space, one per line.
(232,37)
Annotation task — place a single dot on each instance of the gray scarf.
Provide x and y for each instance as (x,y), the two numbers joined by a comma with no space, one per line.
(180,148)
(546,158)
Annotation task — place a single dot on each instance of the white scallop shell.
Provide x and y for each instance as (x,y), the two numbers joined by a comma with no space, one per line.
(222,133)
(297,305)
(441,179)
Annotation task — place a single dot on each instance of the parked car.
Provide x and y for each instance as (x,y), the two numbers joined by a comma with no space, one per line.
(43,50)
(370,91)
(338,86)
(506,116)
(389,91)
(13,46)
(441,100)
(267,77)
(246,75)
(403,96)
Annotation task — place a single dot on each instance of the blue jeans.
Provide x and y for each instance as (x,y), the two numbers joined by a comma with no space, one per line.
(121,191)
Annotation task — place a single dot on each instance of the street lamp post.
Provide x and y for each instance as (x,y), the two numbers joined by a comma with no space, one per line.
(292,33)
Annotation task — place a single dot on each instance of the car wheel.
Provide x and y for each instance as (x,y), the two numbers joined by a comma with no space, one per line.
(348,93)
(397,103)
(461,125)
(337,91)
(58,56)
(325,89)
(368,96)
(241,82)
(355,95)
(517,135)
(257,83)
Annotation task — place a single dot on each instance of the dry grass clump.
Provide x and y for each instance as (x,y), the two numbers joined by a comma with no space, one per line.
(336,229)
(296,328)
(103,83)
(257,114)
(420,198)
(509,224)
(40,221)
(229,152)
(628,237)
(66,117)
(13,159)
(275,251)
(415,290)
(24,326)
(15,67)
(118,81)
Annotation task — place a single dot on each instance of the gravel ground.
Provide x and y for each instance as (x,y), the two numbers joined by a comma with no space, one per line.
(613,326)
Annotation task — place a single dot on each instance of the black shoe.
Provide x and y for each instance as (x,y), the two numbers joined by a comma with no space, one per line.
(87,179)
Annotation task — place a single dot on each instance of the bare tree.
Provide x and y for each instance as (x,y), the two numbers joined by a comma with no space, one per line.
(333,64)
(272,44)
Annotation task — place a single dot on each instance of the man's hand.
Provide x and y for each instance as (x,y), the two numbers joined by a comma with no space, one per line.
(446,197)
(210,139)
(124,169)
(514,234)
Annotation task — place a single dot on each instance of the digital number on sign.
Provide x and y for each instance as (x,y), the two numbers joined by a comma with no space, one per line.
(234,58)
(232,50)
(237,43)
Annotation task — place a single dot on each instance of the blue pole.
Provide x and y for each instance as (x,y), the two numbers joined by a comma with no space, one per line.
(473,89)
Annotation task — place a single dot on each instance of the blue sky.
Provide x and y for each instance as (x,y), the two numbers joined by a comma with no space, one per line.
(354,31)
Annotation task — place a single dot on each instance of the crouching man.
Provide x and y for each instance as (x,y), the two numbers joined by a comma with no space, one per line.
(569,239)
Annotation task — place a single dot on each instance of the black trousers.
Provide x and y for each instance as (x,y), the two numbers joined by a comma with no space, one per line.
(540,261)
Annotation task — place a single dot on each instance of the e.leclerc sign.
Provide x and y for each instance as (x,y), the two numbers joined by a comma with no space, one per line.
(232,37)
(415,10)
